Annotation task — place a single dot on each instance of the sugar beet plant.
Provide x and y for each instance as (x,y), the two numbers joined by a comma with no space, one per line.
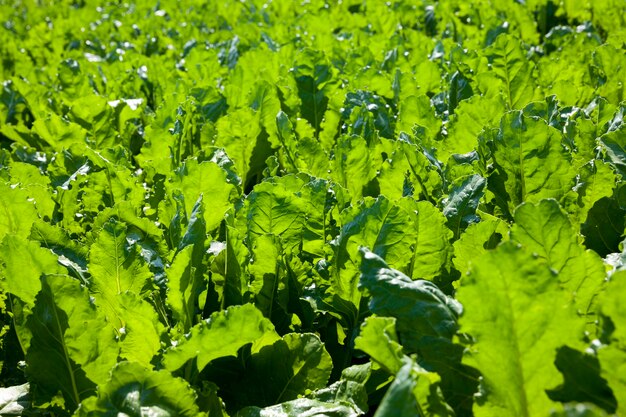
(239,208)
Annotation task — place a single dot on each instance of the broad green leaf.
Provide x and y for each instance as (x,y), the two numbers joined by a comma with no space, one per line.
(420,308)
(544,229)
(380,225)
(353,165)
(17,213)
(297,363)
(71,254)
(336,400)
(530,318)
(426,320)
(265,101)
(22,265)
(417,112)
(460,206)
(432,251)
(613,357)
(135,391)
(268,277)
(471,116)
(579,410)
(514,71)
(378,339)
(115,266)
(614,148)
(221,335)
(36,185)
(54,349)
(596,180)
(300,407)
(182,288)
(227,267)
(477,238)
(528,153)
(425,172)
(206,179)
(399,398)
(139,328)
(274,208)
(237,133)
(613,361)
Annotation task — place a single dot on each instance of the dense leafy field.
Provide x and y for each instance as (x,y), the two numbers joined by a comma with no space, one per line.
(308,209)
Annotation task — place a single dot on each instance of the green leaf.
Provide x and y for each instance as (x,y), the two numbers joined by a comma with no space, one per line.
(300,407)
(344,398)
(237,133)
(469,119)
(297,363)
(71,254)
(477,238)
(36,185)
(139,329)
(380,225)
(114,266)
(530,318)
(579,410)
(353,166)
(378,339)
(613,361)
(58,344)
(22,264)
(183,287)
(432,251)
(274,208)
(205,179)
(460,206)
(596,180)
(421,309)
(221,335)
(529,156)
(135,391)
(544,229)
(17,213)
(268,277)
(514,71)
(399,398)
(613,357)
